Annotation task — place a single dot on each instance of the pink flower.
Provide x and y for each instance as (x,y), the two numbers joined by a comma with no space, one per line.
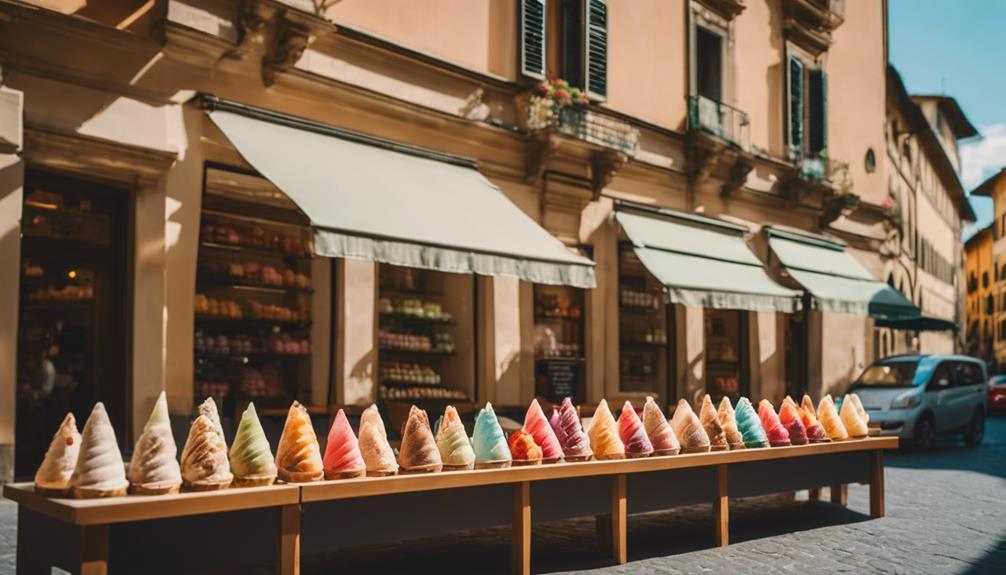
(541,88)
(562,94)
(583,100)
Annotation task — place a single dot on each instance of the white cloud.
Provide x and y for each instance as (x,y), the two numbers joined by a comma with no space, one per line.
(982,158)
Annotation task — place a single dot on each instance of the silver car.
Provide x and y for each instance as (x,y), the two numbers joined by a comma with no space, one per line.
(922,397)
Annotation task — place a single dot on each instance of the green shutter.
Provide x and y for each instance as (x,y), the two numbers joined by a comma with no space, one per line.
(532,38)
(817,96)
(795,107)
(595,81)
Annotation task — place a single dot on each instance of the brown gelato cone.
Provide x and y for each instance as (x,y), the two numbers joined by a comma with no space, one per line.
(205,466)
(711,423)
(419,452)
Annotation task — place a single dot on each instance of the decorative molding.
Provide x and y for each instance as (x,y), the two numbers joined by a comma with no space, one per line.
(728,9)
(284,49)
(604,166)
(92,157)
(809,23)
(738,175)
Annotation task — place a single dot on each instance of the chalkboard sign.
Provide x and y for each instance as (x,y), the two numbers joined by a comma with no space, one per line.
(559,377)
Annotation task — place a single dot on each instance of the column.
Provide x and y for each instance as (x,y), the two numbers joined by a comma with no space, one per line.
(11,191)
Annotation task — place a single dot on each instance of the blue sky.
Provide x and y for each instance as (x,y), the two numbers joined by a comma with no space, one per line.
(956,47)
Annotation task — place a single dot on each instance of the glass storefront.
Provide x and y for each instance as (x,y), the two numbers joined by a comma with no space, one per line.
(643,327)
(559,340)
(726,354)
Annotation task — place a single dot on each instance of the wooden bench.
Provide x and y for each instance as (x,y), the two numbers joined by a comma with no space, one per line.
(310,518)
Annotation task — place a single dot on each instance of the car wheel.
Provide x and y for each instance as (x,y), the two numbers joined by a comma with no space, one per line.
(976,432)
(925,433)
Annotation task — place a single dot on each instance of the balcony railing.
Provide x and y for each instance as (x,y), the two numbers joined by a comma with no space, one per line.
(719,119)
(582,123)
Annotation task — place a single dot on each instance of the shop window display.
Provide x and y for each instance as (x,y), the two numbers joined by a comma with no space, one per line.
(643,327)
(559,343)
(725,353)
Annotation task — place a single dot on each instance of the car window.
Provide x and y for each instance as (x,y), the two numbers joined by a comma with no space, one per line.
(943,378)
(967,373)
(889,373)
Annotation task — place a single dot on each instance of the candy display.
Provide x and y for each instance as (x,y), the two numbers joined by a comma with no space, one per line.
(689,429)
(65,293)
(343,459)
(441,342)
(489,442)
(830,420)
(728,421)
(632,433)
(53,476)
(251,459)
(815,431)
(452,441)
(408,373)
(538,426)
(523,449)
(250,236)
(153,469)
(413,308)
(205,463)
(99,471)
(774,430)
(854,417)
(662,437)
(789,415)
(419,452)
(253,273)
(749,424)
(211,307)
(710,419)
(575,443)
(603,433)
(419,393)
(377,454)
(298,457)
(637,299)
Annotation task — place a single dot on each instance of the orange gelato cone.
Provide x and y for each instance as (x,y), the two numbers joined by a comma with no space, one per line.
(854,421)
(523,449)
(603,434)
(830,420)
(298,457)
(790,418)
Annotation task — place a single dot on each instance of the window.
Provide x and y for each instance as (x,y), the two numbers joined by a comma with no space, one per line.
(532,38)
(990,306)
(709,63)
(585,46)
(807,108)
(985,279)
(943,377)
(968,372)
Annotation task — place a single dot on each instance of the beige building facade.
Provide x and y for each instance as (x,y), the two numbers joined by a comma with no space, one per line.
(756,119)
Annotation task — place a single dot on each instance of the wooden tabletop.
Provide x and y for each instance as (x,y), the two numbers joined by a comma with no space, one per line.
(141,507)
(367,486)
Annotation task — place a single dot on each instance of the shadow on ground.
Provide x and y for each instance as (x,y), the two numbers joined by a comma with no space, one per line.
(952,454)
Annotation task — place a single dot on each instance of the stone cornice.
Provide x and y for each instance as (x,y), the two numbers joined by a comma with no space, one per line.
(123,164)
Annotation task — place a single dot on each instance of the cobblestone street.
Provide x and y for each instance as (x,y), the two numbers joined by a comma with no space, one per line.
(946,513)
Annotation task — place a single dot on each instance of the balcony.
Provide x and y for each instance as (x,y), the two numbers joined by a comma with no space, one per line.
(581,122)
(720,120)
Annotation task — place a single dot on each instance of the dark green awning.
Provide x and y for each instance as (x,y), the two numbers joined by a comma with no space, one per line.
(920,323)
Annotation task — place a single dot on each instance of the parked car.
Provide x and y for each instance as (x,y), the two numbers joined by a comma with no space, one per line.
(997,393)
(922,397)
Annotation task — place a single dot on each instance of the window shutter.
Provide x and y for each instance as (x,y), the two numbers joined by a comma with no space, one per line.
(795,111)
(596,49)
(532,38)
(817,92)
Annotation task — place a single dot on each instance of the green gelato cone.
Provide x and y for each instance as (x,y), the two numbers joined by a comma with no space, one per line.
(488,439)
(749,424)
(252,462)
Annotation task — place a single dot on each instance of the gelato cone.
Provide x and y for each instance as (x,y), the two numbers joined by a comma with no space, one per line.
(488,441)
(53,476)
(688,428)
(830,420)
(298,457)
(541,430)
(523,448)
(209,409)
(789,415)
(419,452)
(372,416)
(377,453)
(342,451)
(749,424)
(603,434)
(251,457)
(658,430)
(632,433)
(777,434)
(855,423)
(575,443)
(452,441)
(710,420)
(99,471)
(153,469)
(815,431)
(205,466)
(728,421)
(555,422)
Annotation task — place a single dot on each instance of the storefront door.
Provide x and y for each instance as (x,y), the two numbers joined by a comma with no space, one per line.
(72,316)
(726,354)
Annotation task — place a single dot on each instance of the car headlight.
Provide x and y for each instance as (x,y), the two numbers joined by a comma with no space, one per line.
(906,401)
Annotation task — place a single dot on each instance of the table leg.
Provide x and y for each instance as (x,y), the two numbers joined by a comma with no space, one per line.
(877,485)
(288,554)
(94,550)
(611,536)
(520,561)
(721,508)
(814,494)
(30,555)
(839,494)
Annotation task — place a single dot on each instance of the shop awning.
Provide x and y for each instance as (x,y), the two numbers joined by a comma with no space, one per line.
(377,200)
(703,262)
(920,323)
(834,279)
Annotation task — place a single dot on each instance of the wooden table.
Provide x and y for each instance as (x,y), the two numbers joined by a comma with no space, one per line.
(289,520)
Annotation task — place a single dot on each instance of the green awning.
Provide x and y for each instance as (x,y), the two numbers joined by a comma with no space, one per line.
(920,323)
(382,201)
(703,262)
(834,279)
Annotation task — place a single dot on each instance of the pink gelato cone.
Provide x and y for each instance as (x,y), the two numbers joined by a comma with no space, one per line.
(556,424)
(538,426)
(575,443)
(342,451)
(662,437)
(632,433)
(777,434)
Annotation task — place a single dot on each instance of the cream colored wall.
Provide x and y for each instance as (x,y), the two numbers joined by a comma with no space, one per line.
(647,71)
(356,332)
(11,196)
(857,76)
(480,34)
(846,342)
(322,315)
(758,55)
(768,357)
